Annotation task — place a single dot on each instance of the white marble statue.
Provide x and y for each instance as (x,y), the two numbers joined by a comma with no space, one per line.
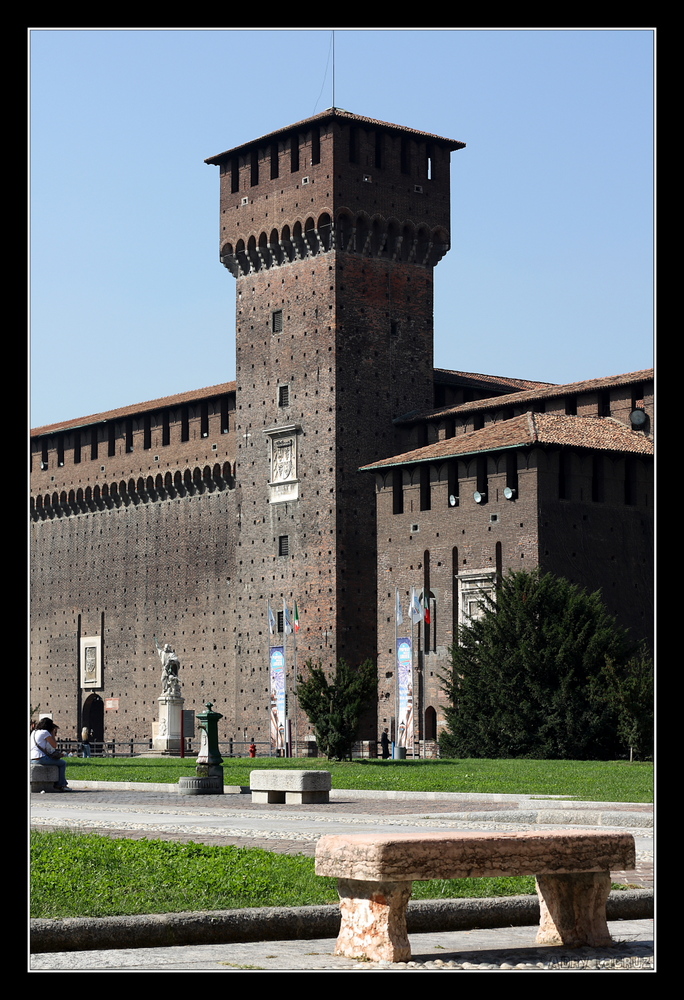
(170,668)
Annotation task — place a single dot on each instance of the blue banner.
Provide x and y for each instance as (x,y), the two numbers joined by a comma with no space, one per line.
(404,733)
(277,698)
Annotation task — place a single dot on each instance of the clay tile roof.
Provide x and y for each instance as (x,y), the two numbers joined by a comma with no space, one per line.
(528,395)
(327,116)
(476,380)
(129,411)
(595,433)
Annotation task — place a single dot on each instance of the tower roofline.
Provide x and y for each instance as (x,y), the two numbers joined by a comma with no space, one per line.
(341,114)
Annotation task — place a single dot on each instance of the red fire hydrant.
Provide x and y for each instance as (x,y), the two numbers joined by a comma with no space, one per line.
(252,749)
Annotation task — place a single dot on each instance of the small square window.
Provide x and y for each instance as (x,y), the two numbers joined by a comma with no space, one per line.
(277,321)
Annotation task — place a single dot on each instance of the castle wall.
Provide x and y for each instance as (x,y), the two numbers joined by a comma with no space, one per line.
(128,574)
(426,542)
(597,534)
(186,518)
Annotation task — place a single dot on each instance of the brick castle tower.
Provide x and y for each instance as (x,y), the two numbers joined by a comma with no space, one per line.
(332,227)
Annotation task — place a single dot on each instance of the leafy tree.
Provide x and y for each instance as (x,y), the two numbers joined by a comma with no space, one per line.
(630,690)
(528,677)
(334,707)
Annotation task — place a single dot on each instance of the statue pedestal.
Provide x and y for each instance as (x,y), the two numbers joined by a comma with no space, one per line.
(167,737)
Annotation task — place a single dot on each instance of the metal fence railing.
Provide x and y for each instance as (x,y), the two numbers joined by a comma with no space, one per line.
(364,749)
(105,748)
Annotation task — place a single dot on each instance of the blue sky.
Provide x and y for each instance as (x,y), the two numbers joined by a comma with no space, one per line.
(550,272)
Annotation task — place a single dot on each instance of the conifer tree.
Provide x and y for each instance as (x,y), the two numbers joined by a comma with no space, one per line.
(528,676)
(334,707)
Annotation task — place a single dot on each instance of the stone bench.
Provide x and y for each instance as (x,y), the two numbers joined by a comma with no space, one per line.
(43,777)
(292,787)
(375,876)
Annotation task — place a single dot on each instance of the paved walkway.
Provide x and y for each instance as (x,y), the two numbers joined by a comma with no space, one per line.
(160,812)
(490,950)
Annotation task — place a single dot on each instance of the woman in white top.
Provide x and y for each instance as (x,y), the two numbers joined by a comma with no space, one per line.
(43,742)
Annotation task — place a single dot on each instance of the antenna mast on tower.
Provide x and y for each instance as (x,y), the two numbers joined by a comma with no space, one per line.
(333,69)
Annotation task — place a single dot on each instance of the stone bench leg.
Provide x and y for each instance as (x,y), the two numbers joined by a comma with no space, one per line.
(573,909)
(373,920)
(306,798)
(268,797)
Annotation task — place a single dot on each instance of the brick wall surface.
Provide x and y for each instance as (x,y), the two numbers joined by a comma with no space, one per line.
(131,573)
(604,544)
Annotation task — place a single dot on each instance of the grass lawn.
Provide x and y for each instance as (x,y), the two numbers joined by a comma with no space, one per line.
(75,875)
(89,875)
(608,781)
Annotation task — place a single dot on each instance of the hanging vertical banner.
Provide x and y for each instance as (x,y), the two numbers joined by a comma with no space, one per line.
(277,698)
(404,735)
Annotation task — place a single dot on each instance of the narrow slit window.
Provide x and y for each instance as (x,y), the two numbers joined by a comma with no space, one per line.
(425,498)
(397,492)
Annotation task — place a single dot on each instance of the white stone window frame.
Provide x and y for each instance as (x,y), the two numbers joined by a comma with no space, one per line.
(283,484)
(472,584)
(91,662)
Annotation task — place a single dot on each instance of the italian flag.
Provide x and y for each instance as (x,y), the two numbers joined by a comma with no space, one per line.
(296,618)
